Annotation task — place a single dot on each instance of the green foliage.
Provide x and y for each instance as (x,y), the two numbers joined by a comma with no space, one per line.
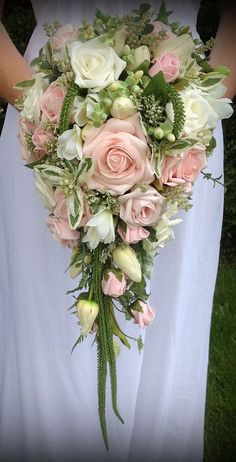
(220,423)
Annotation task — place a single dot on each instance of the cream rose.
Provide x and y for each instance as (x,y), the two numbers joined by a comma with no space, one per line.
(182,46)
(95,64)
(202,111)
(141,208)
(120,152)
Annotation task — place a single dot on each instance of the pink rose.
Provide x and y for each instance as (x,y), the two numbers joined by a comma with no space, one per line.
(64,34)
(61,209)
(183,168)
(25,128)
(141,208)
(62,233)
(145,317)
(120,152)
(52,102)
(169,64)
(133,235)
(162,30)
(40,139)
(113,286)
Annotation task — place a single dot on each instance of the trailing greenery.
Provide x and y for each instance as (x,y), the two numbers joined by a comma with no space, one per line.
(66,108)
(105,348)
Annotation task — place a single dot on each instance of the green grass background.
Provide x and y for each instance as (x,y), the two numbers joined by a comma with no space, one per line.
(220,419)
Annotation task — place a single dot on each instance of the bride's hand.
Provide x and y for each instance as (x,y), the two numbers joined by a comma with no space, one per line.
(13,68)
(223,52)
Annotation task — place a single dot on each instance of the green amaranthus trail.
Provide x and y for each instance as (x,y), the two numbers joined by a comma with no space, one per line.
(105,348)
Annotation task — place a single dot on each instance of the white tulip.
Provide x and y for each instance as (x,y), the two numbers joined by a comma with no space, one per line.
(100,229)
(87,312)
(125,258)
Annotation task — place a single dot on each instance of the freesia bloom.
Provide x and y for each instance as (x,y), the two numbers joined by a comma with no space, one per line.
(139,55)
(64,34)
(133,235)
(83,108)
(100,229)
(62,233)
(87,311)
(112,285)
(52,102)
(95,64)
(169,64)
(70,144)
(183,168)
(125,258)
(141,208)
(32,99)
(145,317)
(120,152)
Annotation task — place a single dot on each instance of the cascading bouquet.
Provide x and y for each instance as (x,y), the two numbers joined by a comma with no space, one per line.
(117,124)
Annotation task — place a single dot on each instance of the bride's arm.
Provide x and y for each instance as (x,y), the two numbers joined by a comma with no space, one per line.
(13,68)
(224,51)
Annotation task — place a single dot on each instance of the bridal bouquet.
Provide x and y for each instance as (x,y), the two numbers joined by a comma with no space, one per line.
(116,124)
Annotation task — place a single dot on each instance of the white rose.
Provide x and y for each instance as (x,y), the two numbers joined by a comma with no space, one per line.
(100,229)
(95,64)
(70,144)
(32,99)
(201,110)
(45,192)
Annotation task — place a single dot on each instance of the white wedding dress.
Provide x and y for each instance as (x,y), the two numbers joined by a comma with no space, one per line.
(48,397)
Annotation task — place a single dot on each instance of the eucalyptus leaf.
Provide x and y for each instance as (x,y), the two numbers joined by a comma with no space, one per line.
(24,84)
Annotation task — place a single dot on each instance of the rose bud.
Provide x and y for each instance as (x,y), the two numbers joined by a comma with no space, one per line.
(125,258)
(87,312)
(113,283)
(123,107)
(143,315)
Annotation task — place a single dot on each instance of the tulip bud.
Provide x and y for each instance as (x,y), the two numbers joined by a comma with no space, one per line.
(75,270)
(125,258)
(123,107)
(87,312)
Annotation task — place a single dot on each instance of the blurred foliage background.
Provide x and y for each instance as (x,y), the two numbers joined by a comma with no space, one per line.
(220,419)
